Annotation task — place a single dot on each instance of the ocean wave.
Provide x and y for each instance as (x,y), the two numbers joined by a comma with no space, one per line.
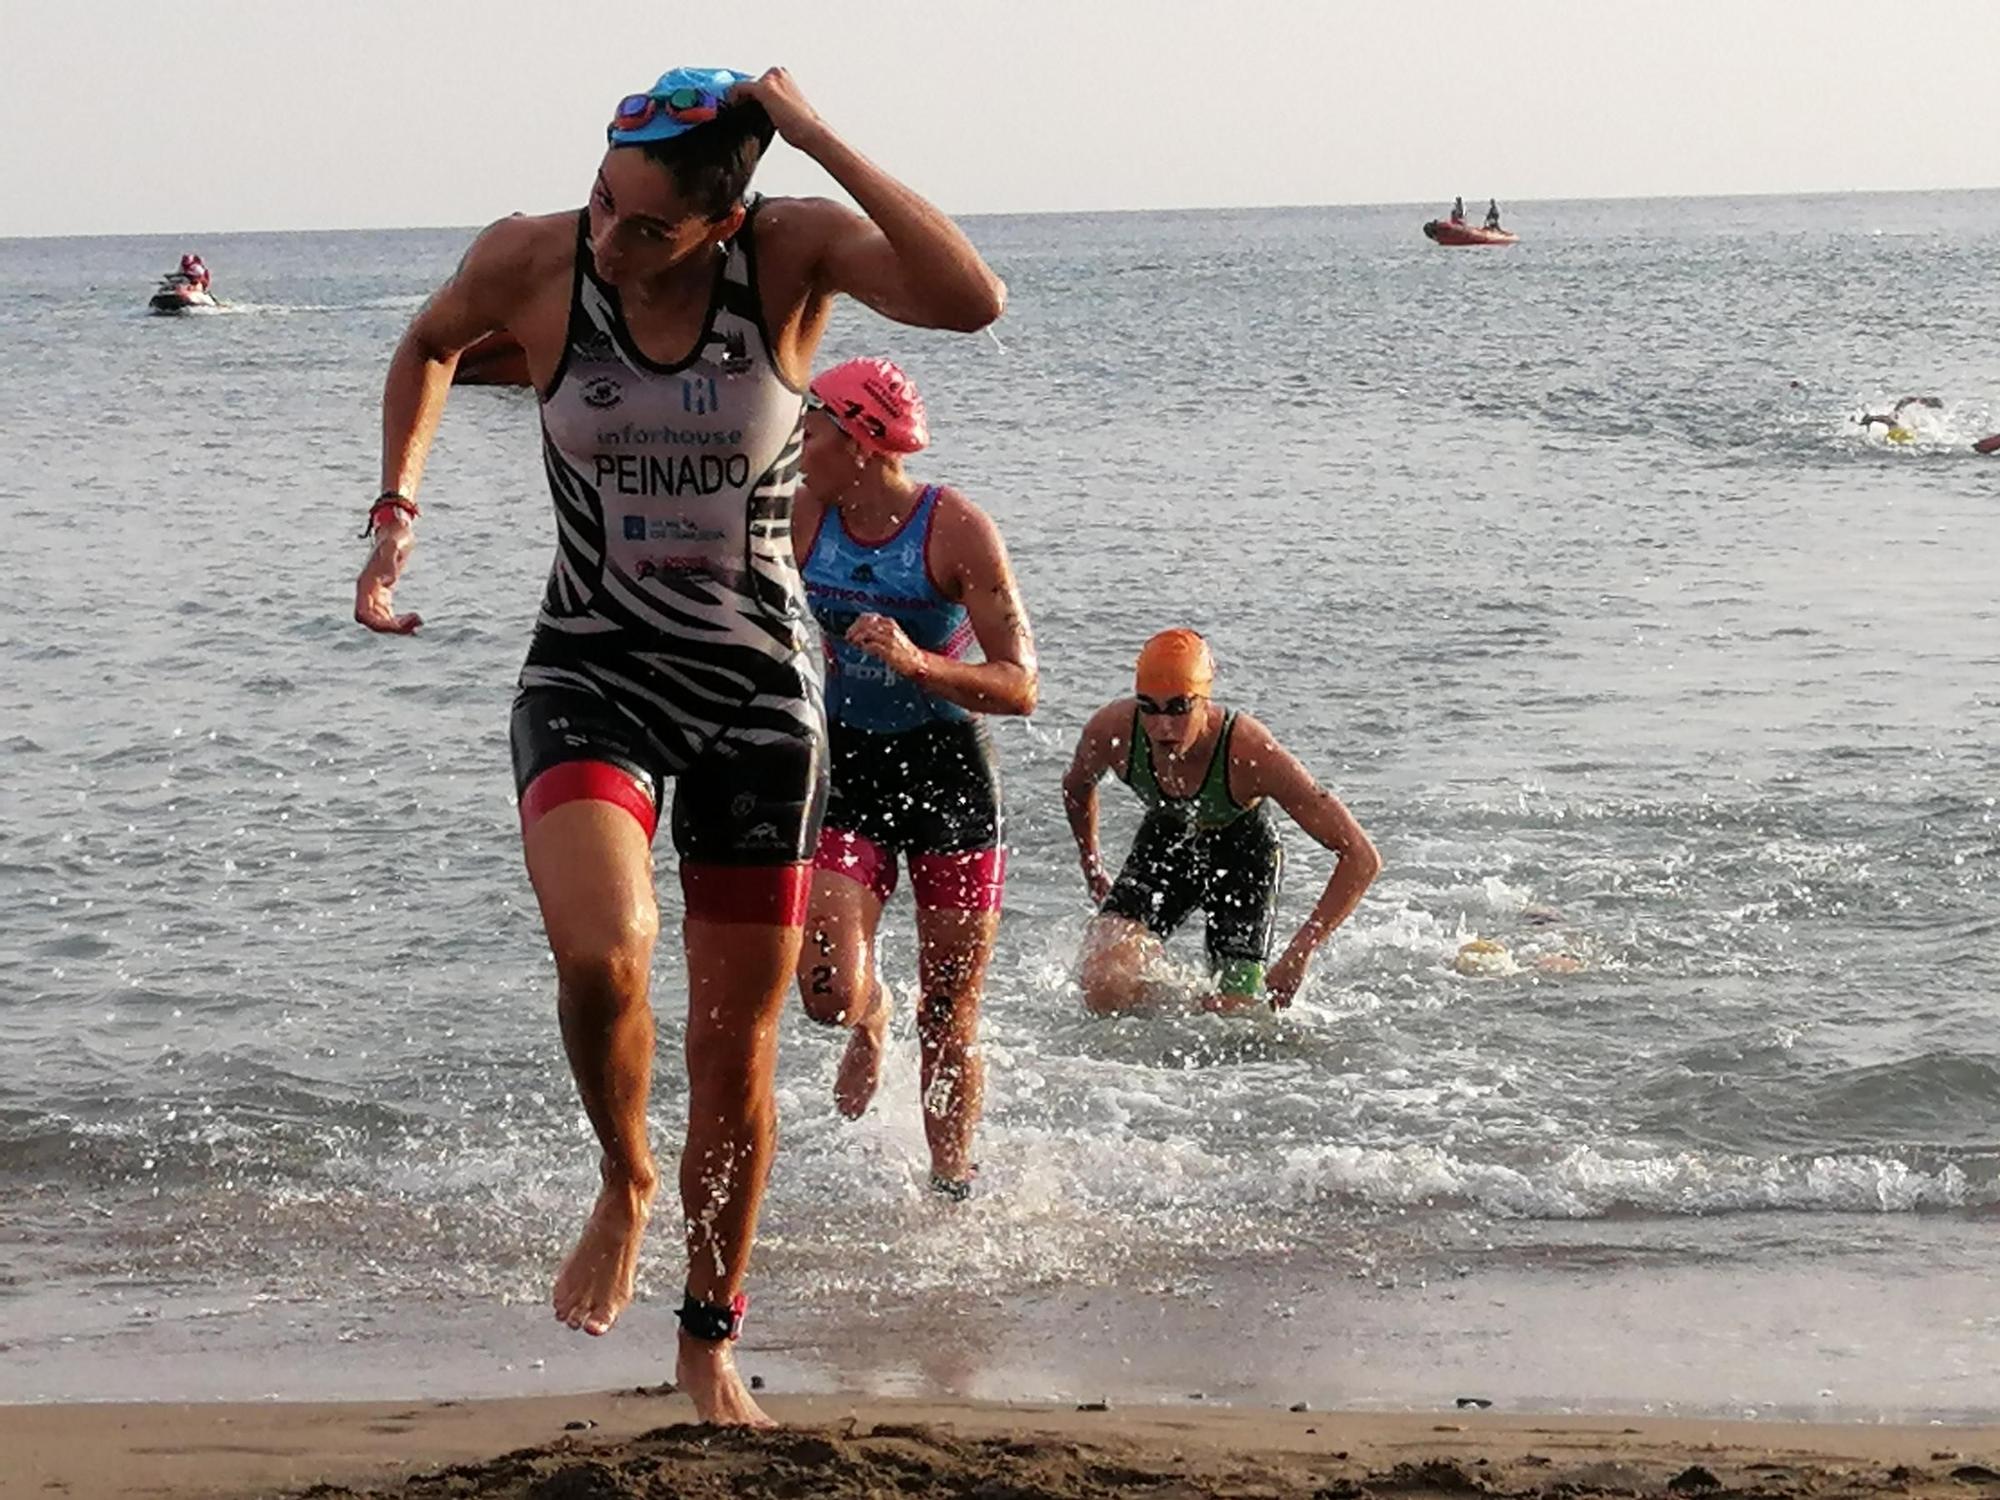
(1592,1182)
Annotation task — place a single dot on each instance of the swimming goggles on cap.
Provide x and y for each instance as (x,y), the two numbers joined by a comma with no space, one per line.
(679,100)
(850,412)
(685,106)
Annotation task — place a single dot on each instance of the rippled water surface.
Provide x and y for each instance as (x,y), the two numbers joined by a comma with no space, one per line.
(1564,565)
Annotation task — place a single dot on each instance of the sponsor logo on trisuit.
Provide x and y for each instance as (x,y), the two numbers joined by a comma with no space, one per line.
(660,567)
(728,353)
(666,435)
(892,603)
(675,474)
(669,529)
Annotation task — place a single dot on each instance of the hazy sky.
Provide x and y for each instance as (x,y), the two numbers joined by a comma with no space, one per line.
(278,114)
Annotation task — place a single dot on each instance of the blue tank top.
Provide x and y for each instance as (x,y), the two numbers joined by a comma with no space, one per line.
(845,579)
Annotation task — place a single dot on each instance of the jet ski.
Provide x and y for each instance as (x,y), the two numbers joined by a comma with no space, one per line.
(177,293)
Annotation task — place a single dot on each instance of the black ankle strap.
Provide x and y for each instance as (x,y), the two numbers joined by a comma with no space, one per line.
(957,1190)
(710,1323)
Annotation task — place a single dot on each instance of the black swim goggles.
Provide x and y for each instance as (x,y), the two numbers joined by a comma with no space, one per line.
(1173,708)
(850,411)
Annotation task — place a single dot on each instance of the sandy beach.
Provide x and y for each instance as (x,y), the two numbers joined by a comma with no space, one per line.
(638,1443)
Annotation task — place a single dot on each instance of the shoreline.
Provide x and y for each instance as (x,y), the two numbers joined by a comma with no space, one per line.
(639,1442)
(1702,1322)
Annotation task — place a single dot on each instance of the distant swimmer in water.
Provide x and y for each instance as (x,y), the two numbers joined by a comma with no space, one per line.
(1894,428)
(1205,775)
(1484,957)
(904,577)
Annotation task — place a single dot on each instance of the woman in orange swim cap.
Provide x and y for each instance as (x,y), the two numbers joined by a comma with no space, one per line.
(1174,662)
(1205,775)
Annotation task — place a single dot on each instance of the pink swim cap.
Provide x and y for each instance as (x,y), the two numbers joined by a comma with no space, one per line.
(874,403)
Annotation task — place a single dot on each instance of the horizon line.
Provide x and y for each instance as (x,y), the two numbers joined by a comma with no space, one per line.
(1079,213)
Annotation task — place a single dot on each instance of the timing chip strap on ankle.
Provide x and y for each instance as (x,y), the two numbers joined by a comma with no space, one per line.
(710,1323)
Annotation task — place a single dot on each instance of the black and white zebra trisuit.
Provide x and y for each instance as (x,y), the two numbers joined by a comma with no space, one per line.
(674,619)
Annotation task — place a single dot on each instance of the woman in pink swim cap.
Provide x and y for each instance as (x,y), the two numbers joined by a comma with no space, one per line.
(903,578)
(874,405)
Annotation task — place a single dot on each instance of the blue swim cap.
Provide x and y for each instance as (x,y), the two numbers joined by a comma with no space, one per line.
(680,100)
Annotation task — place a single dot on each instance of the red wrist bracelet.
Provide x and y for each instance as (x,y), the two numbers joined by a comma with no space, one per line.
(389,501)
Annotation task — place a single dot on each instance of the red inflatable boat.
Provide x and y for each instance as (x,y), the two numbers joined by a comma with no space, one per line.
(1459,232)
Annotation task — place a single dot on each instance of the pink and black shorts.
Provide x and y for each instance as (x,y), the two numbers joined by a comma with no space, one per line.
(931,795)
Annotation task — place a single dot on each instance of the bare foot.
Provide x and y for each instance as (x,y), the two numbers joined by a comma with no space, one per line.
(707,1373)
(600,1277)
(861,1065)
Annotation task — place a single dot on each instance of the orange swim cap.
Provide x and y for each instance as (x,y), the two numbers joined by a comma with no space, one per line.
(1173,663)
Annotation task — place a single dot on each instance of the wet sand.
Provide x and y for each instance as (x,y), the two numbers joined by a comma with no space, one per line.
(1708,1320)
(639,1443)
